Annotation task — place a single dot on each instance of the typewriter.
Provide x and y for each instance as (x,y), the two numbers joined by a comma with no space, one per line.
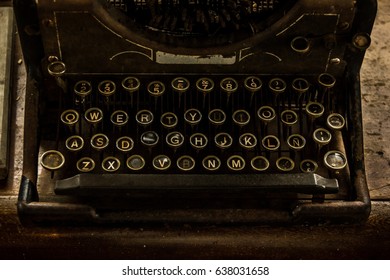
(215,111)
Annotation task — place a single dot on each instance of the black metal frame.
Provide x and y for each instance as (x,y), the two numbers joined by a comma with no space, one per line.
(31,209)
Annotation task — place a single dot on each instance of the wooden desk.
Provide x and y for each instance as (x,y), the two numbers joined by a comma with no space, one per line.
(368,241)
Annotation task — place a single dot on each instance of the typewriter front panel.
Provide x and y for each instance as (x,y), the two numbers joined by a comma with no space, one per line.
(196,104)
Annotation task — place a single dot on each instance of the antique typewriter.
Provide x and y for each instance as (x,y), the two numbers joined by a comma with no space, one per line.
(217,111)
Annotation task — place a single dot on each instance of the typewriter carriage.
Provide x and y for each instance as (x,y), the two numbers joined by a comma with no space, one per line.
(269,208)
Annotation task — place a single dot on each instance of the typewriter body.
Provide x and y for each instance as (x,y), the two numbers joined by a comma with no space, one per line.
(194,111)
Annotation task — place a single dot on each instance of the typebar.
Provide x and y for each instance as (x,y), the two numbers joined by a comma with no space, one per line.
(87,184)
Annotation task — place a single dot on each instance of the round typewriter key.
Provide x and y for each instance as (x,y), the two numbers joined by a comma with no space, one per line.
(135,162)
(149,138)
(211,163)
(217,116)
(308,166)
(70,117)
(193,116)
(111,164)
(169,120)
(277,85)
(85,164)
(74,143)
(271,142)
(228,85)
(107,88)
(52,160)
(335,121)
(289,117)
(327,80)
(322,136)
(236,163)
(174,139)
(198,140)
(185,163)
(161,162)
(247,141)
(56,68)
(300,44)
(260,163)
(119,118)
(125,144)
(99,141)
(300,85)
(335,160)
(223,140)
(82,88)
(93,115)
(296,142)
(156,88)
(285,164)
(205,85)
(241,117)
(266,114)
(253,84)
(131,84)
(180,84)
(144,117)
(315,109)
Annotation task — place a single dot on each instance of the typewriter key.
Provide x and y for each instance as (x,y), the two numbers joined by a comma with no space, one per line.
(260,163)
(99,141)
(125,144)
(185,163)
(174,139)
(296,142)
(335,160)
(314,110)
(228,85)
(131,84)
(57,69)
(266,114)
(285,164)
(326,80)
(289,117)
(149,138)
(271,143)
(119,118)
(169,120)
(205,85)
(156,88)
(335,121)
(161,162)
(193,116)
(277,85)
(236,163)
(253,84)
(308,166)
(198,141)
(135,162)
(247,141)
(180,84)
(223,140)
(82,88)
(52,160)
(93,115)
(85,164)
(211,163)
(241,117)
(111,164)
(74,143)
(217,116)
(69,117)
(144,117)
(107,88)
(322,136)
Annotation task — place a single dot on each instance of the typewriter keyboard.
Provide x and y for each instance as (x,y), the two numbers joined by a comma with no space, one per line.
(191,124)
